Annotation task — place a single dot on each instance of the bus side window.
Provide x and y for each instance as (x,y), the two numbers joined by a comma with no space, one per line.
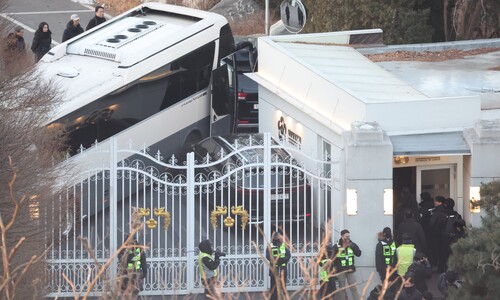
(194,77)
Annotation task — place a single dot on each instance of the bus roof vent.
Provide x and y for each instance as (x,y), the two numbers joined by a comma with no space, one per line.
(134,32)
(100,53)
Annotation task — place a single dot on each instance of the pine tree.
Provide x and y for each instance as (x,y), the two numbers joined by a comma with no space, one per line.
(477,256)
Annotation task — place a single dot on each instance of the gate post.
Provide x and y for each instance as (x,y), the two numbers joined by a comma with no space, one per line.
(113,206)
(190,222)
(267,199)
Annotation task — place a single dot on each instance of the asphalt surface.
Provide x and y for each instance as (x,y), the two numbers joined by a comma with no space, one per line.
(29,13)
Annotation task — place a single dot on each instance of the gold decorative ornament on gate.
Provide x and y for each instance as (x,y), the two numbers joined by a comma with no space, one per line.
(151,223)
(160,212)
(243,213)
(229,220)
(144,212)
(217,212)
(157,212)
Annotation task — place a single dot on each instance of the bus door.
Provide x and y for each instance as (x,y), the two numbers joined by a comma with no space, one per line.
(223,101)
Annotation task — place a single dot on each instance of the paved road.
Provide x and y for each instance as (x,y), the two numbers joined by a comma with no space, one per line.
(29,13)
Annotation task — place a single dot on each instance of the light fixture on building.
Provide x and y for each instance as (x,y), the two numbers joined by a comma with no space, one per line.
(474,197)
(401,160)
(388,202)
(352,202)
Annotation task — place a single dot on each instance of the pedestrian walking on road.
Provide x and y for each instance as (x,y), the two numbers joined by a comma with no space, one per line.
(41,41)
(98,19)
(73,28)
(20,44)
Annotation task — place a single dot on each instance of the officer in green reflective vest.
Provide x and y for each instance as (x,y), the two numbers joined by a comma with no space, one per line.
(344,251)
(208,264)
(385,253)
(278,256)
(134,269)
(326,271)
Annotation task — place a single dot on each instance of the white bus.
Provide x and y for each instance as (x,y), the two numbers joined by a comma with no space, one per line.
(156,74)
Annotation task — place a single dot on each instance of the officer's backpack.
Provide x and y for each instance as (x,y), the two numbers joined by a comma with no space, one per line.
(449,229)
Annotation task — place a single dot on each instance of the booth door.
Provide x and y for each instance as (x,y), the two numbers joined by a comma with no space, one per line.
(437,180)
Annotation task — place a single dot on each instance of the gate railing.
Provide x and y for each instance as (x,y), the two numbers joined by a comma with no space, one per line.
(178,204)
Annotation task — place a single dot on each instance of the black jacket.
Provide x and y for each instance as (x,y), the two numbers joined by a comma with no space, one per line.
(438,221)
(41,43)
(20,44)
(379,256)
(416,232)
(355,249)
(95,21)
(410,294)
(126,257)
(205,247)
(71,31)
(421,272)
(277,263)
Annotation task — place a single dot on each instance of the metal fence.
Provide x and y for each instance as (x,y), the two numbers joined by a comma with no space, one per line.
(234,198)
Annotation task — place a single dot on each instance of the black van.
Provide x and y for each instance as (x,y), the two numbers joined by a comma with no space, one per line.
(247,105)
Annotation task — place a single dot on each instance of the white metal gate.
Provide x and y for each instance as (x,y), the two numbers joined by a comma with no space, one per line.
(255,189)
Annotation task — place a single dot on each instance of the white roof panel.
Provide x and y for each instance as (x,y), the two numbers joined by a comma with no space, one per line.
(350,70)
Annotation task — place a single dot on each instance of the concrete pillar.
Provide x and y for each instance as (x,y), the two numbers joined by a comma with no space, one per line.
(484,165)
(368,170)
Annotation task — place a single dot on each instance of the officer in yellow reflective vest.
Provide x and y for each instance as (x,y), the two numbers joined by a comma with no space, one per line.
(278,256)
(326,271)
(385,253)
(134,270)
(344,252)
(208,264)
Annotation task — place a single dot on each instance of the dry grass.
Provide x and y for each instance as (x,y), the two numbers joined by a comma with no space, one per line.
(429,55)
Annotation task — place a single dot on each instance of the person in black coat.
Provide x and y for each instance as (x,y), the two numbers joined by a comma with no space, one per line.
(344,251)
(98,19)
(409,291)
(20,44)
(134,269)
(437,225)
(41,41)
(278,256)
(413,229)
(73,28)
(421,270)
(208,264)
(385,254)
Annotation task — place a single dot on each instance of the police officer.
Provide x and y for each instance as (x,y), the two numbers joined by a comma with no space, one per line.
(278,256)
(344,252)
(134,268)
(385,252)
(208,263)
(326,269)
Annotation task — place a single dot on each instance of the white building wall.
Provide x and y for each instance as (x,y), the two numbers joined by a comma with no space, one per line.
(368,170)
(426,115)
(305,88)
(484,166)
